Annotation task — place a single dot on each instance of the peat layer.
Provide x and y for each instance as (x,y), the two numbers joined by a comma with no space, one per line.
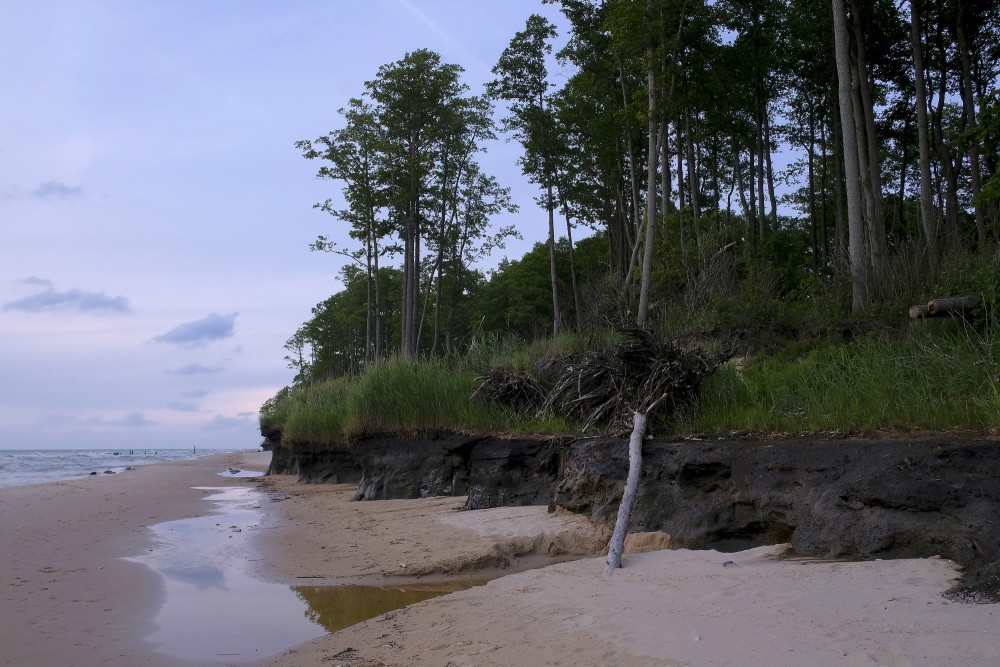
(831,498)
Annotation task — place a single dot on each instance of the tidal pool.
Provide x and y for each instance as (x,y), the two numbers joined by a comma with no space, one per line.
(217,608)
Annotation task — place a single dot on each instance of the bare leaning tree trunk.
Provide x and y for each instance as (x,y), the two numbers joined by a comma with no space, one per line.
(617,545)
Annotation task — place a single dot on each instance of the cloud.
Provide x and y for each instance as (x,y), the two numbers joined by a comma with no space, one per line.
(220,423)
(196,393)
(200,332)
(36,281)
(50,300)
(183,407)
(131,420)
(197,369)
(56,190)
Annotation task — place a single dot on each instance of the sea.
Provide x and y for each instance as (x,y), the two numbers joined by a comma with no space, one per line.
(35,466)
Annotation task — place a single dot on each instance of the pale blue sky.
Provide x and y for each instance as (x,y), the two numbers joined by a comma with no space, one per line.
(156,215)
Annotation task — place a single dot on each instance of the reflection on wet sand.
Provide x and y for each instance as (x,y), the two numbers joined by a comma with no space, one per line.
(216,607)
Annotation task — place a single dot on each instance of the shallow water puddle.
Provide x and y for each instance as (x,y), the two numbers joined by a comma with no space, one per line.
(339,607)
(216,609)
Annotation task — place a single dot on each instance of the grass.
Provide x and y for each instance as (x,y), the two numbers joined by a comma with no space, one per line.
(916,383)
(395,397)
(926,381)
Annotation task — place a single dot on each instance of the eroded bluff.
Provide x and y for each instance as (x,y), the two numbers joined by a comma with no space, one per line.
(844,498)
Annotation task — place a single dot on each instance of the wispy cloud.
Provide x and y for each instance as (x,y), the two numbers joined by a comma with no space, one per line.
(131,420)
(183,407)
(196,393)
(51,300)
(201,332)
(37,282)
(197,369)
(56,190)
(221,423)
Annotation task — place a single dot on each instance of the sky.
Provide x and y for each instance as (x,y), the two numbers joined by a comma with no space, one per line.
(155,215)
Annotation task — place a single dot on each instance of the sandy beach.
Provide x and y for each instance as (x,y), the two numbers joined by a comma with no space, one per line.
(70,599)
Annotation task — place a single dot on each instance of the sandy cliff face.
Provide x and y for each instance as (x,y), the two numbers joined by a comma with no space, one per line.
(846,498)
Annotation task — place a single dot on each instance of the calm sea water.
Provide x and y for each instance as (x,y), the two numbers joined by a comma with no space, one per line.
(34,466)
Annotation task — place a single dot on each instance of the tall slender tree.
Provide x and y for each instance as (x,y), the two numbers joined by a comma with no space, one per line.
(522,82)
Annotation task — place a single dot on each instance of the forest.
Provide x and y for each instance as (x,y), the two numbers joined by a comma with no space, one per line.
(769,178)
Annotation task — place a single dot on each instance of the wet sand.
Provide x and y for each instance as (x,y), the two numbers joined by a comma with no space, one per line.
(70,599)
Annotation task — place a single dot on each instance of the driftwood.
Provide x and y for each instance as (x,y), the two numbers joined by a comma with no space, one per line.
(947,307)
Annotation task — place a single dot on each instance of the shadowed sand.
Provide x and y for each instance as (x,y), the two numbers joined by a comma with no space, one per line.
(69,599)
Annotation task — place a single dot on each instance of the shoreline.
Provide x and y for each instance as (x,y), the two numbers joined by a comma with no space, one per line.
(71,599)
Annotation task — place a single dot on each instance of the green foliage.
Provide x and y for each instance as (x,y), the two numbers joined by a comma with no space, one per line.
(976,275)
(318,413)
(392,397)
(411,397)
(919,382)
(275,410)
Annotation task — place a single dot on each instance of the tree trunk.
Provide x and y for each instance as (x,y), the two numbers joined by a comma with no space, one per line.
(617,545)
(680,194)
(855,222)
(770,168)
(969,104)
(637,222)
(761,215)
(553,275)
(876,223)
(813,235)
(564,201)
(652,161)
(693,186)
(824,202)
(379,344)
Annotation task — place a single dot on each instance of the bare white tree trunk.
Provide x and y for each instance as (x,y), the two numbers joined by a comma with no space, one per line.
(617,545)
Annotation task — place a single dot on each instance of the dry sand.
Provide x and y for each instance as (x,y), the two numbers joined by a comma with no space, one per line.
(69,599)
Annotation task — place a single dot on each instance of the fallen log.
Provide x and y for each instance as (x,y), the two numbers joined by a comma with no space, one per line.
(946,307)
(953,305)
